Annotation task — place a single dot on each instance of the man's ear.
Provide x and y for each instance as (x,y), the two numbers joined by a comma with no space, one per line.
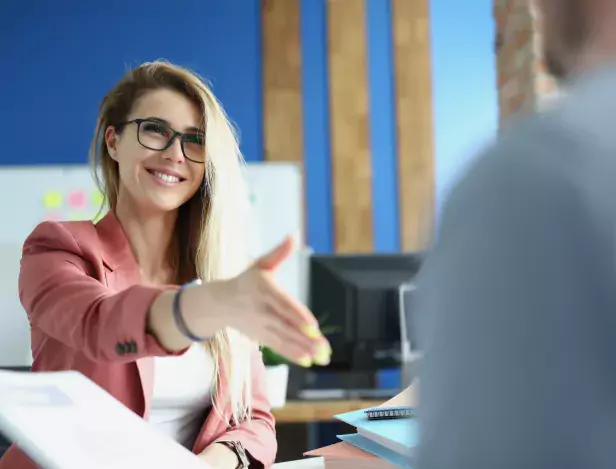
(111,140)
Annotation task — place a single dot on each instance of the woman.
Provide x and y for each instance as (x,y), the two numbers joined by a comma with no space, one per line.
(116,300)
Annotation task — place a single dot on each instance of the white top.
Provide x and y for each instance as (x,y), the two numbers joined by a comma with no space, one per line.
(182,394)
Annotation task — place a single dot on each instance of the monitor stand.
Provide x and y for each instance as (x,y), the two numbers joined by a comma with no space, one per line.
(346,394)
(410,356)
(336,384)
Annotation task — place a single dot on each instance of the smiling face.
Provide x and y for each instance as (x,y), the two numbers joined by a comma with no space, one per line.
(152,179)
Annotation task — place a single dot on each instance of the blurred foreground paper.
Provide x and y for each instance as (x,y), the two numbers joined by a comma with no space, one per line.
(62,420)
(409,396)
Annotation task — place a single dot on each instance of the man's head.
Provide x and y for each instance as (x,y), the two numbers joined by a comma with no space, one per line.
(577,35)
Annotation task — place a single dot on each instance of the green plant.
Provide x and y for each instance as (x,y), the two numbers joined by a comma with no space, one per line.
(271,358)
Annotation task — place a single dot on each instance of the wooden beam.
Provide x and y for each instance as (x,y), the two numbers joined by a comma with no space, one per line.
(351,166)
(414,117)
(282,89)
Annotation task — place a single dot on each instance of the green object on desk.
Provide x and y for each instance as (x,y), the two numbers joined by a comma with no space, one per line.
(271,358)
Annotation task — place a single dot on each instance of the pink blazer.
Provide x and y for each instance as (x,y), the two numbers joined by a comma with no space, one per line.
(80,286)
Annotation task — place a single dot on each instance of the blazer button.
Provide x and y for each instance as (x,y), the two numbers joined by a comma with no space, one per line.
(120,348)
(132,347)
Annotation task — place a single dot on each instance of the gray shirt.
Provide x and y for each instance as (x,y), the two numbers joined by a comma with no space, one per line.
(517,306)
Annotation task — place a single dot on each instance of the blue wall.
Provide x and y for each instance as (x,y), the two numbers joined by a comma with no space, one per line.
(384,150)
(315,107)
(60,59)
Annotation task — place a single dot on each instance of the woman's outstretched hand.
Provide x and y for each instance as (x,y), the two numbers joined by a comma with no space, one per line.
(255,304)
(252,303)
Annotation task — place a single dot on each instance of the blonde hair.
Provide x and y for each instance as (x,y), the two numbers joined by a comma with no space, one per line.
(210,226)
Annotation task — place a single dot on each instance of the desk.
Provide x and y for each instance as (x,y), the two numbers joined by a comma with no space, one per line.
(308,463)
(318,411)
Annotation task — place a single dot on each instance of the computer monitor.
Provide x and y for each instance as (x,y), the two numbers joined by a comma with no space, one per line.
(359,297)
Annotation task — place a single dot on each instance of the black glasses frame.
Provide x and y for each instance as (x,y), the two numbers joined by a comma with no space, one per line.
(174,134)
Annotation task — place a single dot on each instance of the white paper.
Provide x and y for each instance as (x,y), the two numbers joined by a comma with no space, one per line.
(62,420)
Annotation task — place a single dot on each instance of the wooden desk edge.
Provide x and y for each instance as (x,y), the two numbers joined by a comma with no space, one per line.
(318,411)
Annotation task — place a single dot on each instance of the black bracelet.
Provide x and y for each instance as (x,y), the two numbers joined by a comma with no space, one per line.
(179,318)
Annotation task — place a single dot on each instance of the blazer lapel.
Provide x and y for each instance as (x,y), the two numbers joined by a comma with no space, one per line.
(123,272)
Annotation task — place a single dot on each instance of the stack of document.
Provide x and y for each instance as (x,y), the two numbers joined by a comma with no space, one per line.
(344,455)
(63,420)
(385,443)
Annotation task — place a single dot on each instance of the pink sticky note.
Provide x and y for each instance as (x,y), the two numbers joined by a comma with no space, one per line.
(77,199)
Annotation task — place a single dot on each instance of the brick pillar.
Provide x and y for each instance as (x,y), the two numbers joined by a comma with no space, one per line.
(523,83)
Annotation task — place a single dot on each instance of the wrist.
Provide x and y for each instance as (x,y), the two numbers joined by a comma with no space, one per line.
(161,325)
(179,318)
(221,456)
(231,456)
(240,457)
(199,313)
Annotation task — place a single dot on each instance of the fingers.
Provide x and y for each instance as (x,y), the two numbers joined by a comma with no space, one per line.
(294,345)
(286,345)
(278,255)
(314,346)
(288,308)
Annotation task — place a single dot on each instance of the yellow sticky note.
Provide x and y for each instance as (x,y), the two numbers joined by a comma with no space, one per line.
(52,199)
(97,199)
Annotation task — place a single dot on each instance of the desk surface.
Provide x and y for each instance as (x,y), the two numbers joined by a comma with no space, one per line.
(318,411)
(308,463)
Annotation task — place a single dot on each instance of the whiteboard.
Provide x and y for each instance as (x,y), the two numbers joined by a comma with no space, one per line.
(33,194)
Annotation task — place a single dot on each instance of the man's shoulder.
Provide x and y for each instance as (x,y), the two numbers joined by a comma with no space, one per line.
(531,151)
(537,166)
(550,150)
(575,137)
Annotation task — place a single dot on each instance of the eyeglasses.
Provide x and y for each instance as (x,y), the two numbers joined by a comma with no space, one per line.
(157,134)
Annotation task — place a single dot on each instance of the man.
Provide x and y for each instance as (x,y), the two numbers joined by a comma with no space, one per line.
(518,297)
